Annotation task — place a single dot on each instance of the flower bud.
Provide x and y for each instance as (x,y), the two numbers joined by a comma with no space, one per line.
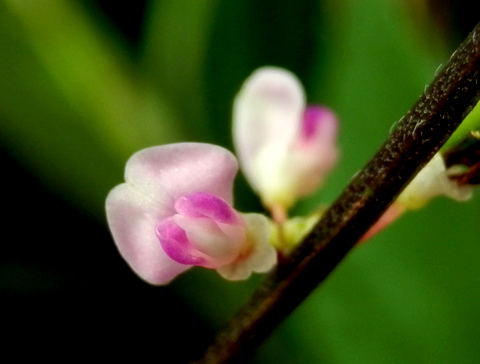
(285,148)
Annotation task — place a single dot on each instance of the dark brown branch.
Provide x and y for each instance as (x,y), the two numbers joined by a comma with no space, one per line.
(418,136)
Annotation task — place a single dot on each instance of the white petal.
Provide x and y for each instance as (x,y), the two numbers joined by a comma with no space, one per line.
(260,258)
(267,110)
(430,182)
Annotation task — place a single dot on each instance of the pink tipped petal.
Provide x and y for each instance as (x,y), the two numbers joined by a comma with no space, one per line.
(206,205)
(132,217)
(316,153)
(317,148)
(260,256)
(206,237)
(266,111)
(312,117)
(168,172)
(319,125)
(175,243)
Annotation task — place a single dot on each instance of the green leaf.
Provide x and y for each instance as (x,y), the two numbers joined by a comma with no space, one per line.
(71,104)
(174,53)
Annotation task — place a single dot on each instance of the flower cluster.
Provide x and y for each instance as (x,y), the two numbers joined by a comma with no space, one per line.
(175,209)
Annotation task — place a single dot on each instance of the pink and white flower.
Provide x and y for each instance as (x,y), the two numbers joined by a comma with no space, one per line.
(285,149)
(175,211)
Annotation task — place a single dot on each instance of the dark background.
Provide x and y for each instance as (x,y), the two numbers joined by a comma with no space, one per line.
(58,295)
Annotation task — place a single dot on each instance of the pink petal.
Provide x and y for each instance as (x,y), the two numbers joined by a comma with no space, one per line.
(267,110)
(316,149)
(319,126)
(132,217)
(175,243)
(218,246)
(212,226)
(206,205)
(170,171)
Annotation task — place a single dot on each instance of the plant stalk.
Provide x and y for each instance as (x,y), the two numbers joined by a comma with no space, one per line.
(418,136)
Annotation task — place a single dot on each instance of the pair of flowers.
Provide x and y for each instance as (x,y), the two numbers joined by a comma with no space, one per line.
(175,209)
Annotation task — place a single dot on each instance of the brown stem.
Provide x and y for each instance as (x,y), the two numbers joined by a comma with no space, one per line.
(418,136)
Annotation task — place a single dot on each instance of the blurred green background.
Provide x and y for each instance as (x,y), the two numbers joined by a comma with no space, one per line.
(84,84)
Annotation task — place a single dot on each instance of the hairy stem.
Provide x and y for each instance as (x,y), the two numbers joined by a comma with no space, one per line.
(418,136)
